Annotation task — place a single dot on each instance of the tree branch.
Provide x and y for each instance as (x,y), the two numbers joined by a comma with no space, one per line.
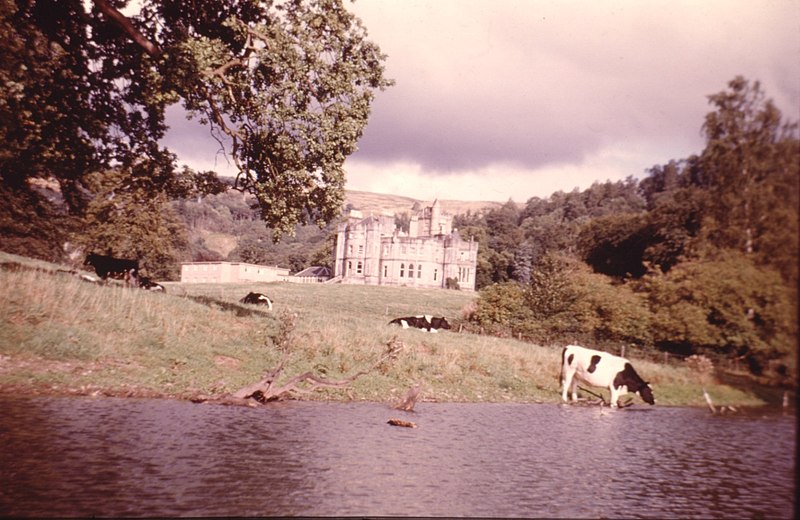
(123,23)
(264,390)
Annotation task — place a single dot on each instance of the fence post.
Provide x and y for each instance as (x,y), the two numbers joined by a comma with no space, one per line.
(666,357)
(622,351)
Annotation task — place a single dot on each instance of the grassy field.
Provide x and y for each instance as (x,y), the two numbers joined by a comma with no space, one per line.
(62,335)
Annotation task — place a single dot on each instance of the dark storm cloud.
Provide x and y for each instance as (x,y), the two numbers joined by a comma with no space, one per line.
(534,83)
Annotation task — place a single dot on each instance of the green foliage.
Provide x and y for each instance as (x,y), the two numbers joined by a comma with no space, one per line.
(499,310)
(131,222)
(727,305)
(452,283)
(286,87)
(31,226)
(610,313)
(290,85)
(615,244)
(564,302)
(751,162)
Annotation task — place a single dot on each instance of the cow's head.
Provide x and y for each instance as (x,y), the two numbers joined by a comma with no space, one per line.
(90,259)
(440,323)
(646,393)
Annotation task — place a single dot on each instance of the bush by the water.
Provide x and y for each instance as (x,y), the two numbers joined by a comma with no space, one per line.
(726,305)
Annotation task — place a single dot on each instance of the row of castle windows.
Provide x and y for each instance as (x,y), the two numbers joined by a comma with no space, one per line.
(463,272)
(463,255)
(404,249)
(360,270)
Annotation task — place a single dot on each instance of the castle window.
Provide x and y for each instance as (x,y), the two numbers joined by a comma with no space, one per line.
(385,271)
(419,271)
(349,266)
(402,270)
(411,270)
(361,249)
(359,268)
(435,274)
(350,249)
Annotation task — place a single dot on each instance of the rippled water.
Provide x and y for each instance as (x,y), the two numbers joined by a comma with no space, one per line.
(117,457)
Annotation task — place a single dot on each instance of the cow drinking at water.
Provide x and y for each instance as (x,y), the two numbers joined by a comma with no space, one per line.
(597,368)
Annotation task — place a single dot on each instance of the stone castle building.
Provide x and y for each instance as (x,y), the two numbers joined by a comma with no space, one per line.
(372,251)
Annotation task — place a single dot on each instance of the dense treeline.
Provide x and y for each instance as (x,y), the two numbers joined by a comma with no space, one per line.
(698,257)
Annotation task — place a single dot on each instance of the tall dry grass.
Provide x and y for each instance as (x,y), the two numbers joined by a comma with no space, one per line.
(69,333)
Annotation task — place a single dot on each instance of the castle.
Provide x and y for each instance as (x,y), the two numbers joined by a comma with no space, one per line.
(372,251)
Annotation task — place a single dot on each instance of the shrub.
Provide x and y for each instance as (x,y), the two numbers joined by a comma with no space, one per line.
(727,305)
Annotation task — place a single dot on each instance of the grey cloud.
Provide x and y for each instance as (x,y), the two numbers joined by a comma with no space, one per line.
(537,83)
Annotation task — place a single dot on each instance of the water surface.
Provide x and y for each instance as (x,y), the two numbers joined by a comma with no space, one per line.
(128,457)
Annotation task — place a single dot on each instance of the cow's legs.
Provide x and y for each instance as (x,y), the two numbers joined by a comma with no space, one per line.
(567,382)
(570,386)
(615,392)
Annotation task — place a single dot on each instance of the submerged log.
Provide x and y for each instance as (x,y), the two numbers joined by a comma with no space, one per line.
(400,422)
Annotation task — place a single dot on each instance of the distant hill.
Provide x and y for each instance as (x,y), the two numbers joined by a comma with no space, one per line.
(224,227)
(377,202)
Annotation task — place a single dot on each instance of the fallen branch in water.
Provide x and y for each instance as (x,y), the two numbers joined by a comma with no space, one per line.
(410,399)
(603,401)
(268,389)
(708,401)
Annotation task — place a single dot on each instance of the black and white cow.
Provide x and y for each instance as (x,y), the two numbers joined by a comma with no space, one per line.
(427,323)
(117,268)
(256,298)
(597,368)
(149,285)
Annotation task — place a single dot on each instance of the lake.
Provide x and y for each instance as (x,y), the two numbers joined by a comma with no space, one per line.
(136,457)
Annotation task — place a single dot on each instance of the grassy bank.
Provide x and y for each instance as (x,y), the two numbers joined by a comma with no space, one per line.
(62,335)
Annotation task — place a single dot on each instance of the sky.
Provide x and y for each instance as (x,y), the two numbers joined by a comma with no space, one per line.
(513,99)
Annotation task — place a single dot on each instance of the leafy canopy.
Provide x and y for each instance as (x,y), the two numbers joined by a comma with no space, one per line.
(285,87)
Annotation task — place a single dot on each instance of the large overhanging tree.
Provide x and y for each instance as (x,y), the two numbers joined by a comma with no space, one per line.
(285,86)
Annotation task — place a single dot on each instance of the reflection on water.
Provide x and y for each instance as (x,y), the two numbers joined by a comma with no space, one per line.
(116,457)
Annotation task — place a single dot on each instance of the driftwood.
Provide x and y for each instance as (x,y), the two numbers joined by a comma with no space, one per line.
(400,422)
(268,389)
(603,401)
(709,402)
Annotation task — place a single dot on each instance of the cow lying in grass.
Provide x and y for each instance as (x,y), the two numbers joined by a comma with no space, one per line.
(597,368)
(427,323)
(150,285)
(255,298)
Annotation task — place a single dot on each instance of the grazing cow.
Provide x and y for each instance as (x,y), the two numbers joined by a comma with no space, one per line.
(117,268)
(597,368)
(256,298)
(427,323)
(149,285)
